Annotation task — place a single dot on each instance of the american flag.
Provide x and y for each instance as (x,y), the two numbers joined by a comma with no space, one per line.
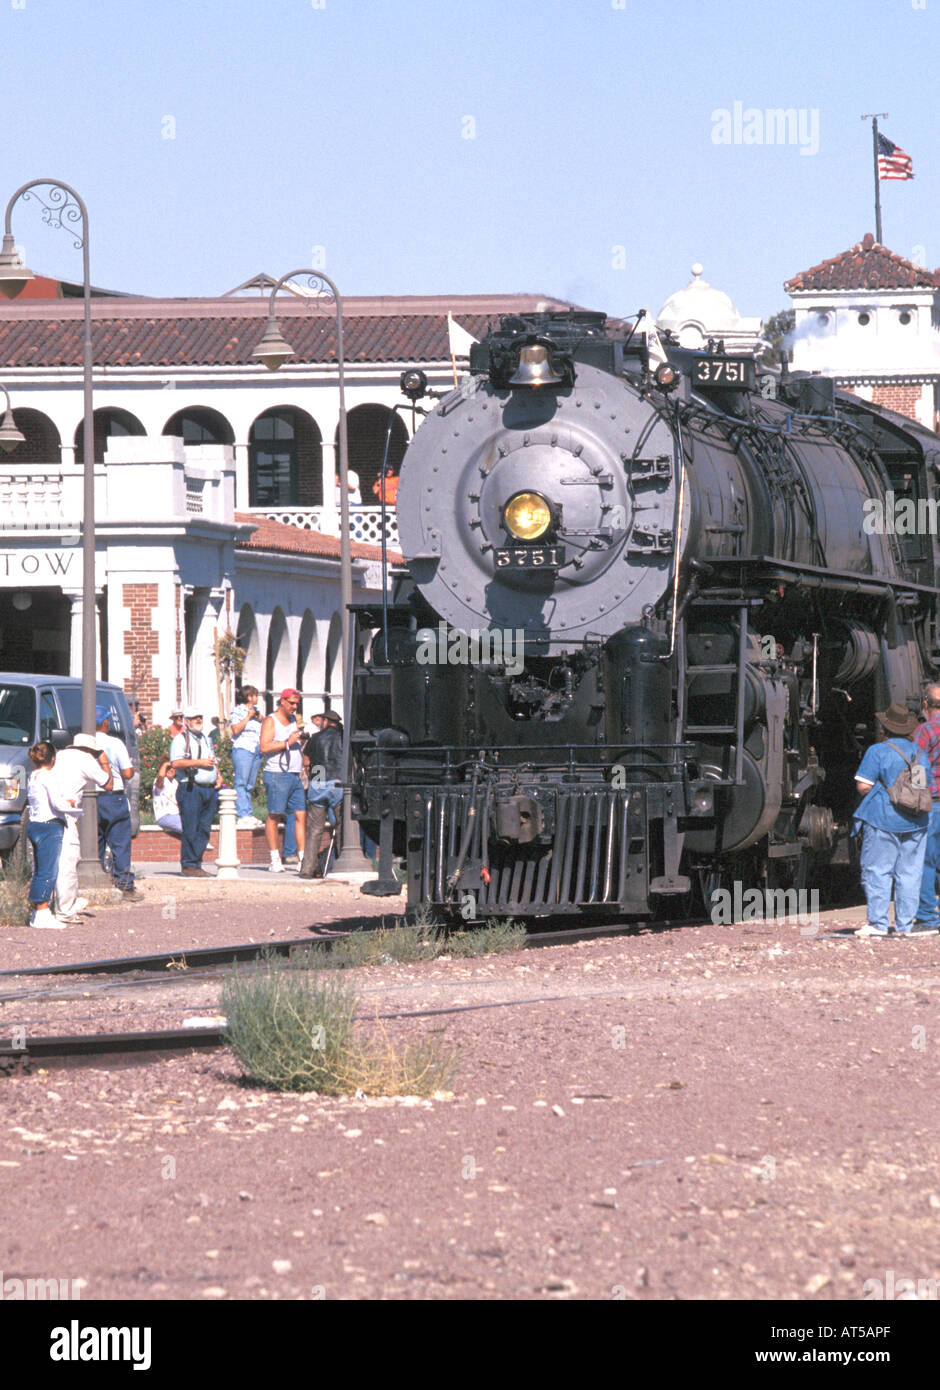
(893,163)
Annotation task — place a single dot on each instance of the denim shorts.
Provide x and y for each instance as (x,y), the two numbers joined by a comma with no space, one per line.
(284,791)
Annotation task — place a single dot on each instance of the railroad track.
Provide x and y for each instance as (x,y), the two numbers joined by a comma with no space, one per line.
(206,963)
(18,1054)
(128,1048)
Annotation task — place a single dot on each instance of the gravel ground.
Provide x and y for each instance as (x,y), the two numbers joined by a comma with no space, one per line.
(180,913)
(702,1113)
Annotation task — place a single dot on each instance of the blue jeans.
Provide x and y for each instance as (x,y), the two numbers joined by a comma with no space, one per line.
(892,860)
(45,836)
(285,792)
(247,766)
(328,794)
(197,809)
(290,836)
(114,833)
(927,911)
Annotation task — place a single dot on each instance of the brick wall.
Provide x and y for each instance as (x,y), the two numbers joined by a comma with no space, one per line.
(903,399)
(155,846)
(142,644)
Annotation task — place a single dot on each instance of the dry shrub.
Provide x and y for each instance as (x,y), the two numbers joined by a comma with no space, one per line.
(292,1035)
(14,884)
(408,943)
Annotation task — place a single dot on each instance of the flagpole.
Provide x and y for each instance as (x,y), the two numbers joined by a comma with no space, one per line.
(874,146)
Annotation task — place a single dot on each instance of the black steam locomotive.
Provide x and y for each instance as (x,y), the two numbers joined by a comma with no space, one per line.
(650,604)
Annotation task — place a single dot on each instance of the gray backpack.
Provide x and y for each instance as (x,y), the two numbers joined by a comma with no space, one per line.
(909,792)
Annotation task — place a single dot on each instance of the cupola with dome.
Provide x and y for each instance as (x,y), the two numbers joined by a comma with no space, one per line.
(699,312)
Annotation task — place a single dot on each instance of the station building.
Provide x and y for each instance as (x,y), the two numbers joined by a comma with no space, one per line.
(870,319)
(215,479)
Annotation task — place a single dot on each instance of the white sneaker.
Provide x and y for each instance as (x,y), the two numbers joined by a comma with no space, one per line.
(276,867)
(80,905)
(869,930)
(247,823)
(44,918)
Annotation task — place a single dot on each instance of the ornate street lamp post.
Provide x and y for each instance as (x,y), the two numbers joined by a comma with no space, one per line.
(273,350)
(64,209)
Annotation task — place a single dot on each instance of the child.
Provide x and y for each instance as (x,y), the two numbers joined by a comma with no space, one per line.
(165,808)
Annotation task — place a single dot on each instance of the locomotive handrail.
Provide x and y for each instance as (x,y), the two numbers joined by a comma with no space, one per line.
(876,583)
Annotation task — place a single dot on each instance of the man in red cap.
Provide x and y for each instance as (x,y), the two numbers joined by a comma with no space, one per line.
(283,760)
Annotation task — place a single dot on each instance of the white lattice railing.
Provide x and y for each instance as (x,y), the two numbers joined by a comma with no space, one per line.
(365,522)
(30,498)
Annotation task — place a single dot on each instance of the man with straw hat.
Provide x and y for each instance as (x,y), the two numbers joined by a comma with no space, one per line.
(894,840)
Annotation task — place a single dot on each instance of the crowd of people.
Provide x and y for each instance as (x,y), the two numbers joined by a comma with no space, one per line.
(301,772)
(57,786)
(898,817)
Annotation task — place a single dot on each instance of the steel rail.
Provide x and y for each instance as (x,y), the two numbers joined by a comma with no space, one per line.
(202,958)
(184,959)
(91,1045)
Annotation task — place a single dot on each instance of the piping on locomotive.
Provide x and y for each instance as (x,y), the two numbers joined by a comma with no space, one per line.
(702,625)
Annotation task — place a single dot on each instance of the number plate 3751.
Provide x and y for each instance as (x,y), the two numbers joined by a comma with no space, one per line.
(530,557)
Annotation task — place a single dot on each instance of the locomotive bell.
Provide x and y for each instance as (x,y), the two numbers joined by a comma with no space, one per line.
(535,368)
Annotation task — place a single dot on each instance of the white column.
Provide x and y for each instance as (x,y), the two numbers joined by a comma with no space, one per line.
(242,493)
(329,521)
(75,636)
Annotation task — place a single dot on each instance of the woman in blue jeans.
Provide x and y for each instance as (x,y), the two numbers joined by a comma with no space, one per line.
(47,812)
(246,755)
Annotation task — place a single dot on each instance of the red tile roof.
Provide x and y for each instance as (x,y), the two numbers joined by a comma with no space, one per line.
(276,535)
(224,332)
(865,266)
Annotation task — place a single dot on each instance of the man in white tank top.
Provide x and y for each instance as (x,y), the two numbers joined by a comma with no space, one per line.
(281,751)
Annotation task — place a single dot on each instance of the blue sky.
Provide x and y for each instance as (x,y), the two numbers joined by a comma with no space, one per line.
(434,146)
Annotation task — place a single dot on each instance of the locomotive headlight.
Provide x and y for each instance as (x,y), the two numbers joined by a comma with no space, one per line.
(527,516)
(414,383)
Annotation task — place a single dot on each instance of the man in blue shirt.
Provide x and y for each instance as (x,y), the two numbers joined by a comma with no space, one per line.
(894,843)
(114,817)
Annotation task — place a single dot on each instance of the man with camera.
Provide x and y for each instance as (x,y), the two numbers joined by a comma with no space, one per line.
(198,778)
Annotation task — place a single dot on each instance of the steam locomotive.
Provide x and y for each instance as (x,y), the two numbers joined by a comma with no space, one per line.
(651,601)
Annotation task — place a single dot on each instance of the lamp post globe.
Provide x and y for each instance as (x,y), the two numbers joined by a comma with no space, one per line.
(274,349)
